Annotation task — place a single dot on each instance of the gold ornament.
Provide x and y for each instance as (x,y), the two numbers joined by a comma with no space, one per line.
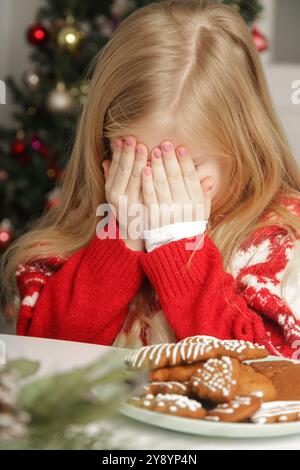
(20,133)
(69,37)
(60,99)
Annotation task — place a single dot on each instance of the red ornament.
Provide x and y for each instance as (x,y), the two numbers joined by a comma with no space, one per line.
(259,39)
(18,150)
(18,147)
(37,34)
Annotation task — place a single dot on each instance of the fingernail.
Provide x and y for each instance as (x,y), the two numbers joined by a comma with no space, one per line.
(128,141)
(181,151)
(157,153)
(166,146)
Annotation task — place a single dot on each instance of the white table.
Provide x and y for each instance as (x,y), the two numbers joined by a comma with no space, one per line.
(60,355)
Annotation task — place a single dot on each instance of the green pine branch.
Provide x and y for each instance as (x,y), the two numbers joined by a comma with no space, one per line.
(63,405)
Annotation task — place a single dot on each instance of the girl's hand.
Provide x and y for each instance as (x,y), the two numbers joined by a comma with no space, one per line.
(123,177)
(171,183)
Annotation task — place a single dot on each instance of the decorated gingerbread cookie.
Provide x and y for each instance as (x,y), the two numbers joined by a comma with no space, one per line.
(178,388)
(277,412)
(165,355)
(240,349)
(216,379)
(237,410)
(175,373)
(189,351)
(284,375)
(254,383)
(172,404)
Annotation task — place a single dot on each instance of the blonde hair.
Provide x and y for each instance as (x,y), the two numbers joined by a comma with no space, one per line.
(195,62)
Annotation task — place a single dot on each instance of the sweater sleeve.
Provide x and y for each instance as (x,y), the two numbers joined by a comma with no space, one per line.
(207,300)
(201,299)
(260,283)
(85,299)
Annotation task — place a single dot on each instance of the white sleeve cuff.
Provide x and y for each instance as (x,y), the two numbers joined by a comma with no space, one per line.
(168,233)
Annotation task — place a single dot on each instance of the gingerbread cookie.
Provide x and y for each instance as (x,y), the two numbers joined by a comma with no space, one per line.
(284,375)
(157,356)
(270,365)
(175,373)
(237,410)
(277,412)
(254,383)
(172,404)
(240,349)
(216,379)
(178,388)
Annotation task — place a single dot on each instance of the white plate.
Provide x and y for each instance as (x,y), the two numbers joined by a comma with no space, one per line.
(207,428)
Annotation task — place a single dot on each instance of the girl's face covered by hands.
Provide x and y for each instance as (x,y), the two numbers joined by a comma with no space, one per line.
(190,178)
(212,173)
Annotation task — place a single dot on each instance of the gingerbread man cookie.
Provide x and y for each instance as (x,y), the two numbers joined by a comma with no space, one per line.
(216,379)
(277,412)
(173,404)
(237,410)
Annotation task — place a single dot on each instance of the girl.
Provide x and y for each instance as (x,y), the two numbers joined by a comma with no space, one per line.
(186,74)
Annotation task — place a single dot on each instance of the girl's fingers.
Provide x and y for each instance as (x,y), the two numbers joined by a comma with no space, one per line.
(124,166)
(160,179)
(148,188)
(173,172)
(190,175)
(150,198)
(135,182)
(117,148)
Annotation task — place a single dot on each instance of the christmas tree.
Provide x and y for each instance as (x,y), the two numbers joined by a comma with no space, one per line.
(65,36)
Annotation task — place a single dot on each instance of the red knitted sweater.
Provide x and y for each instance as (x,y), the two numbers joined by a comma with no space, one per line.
(85,297)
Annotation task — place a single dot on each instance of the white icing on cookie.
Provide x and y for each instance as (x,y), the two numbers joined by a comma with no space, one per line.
(277,409)
(187,351)
(216,375)
(170,385)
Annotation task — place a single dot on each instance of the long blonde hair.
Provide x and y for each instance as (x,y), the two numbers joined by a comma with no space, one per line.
(195,62)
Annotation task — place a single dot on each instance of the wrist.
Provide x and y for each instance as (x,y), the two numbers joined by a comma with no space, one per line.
(172,232)
(135,245)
